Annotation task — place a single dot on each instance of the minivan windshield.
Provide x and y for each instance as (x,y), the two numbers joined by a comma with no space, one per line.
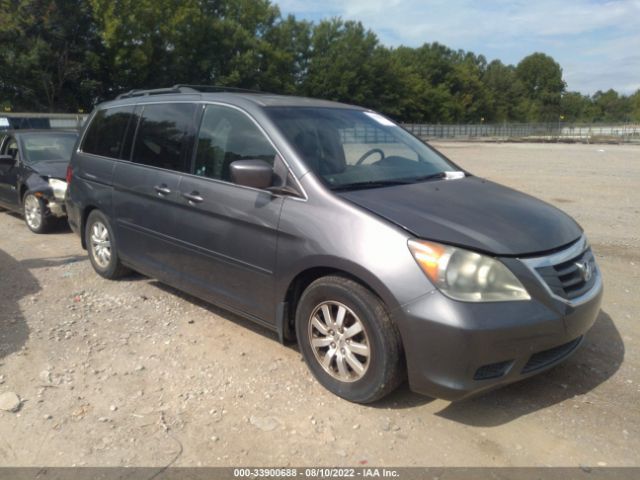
(48,146)
(352,149)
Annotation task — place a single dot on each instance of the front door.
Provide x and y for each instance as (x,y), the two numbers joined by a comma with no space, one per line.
(228,232)
(9,177)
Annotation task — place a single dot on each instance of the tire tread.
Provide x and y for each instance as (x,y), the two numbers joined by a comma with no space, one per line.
(116,271)
(393,373)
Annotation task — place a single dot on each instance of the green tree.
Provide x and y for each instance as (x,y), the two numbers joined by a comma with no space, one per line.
(576,107)
(163,42)
(346,63)
(340,62)
(471,98)
(430,66)
(290,44)
(50,56)
(541,77)
(395,89)
(634,100)
(62,55)
(449,86)
(611,107)
(505,92)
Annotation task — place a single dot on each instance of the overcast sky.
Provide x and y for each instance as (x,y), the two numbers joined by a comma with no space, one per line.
(596,42)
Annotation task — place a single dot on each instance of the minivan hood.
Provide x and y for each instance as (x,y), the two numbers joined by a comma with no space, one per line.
(473,213)
(51,168)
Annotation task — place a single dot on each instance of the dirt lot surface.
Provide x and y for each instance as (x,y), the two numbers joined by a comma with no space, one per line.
(134,373)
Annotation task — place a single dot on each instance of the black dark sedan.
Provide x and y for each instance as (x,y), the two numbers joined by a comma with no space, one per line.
(33,166)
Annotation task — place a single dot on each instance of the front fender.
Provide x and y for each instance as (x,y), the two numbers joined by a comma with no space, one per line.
(330,234)
(32,182)
(339,264)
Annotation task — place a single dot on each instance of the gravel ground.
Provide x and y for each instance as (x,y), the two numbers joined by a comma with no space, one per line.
(135,373)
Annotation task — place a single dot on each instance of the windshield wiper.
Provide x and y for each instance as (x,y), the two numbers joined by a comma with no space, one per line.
(425,178)
(387,183)
(369,184)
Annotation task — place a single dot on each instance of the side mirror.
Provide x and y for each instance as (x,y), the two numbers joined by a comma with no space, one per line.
(251,173)
(6,162)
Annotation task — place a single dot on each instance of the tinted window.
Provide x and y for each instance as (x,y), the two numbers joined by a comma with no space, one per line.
(105,135)
(131,131)
(226,135)
(164,136)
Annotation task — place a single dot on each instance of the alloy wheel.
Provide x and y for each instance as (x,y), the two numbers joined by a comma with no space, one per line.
(33,212)
(100,244)
(339,341)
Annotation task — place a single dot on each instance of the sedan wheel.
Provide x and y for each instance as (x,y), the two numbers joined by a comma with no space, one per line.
(34,213)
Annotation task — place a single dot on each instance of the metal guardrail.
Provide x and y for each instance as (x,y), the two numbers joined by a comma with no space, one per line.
(20,121)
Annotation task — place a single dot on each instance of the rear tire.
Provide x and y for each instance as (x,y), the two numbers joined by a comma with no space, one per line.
(348,340)
(102,247)
(34,213)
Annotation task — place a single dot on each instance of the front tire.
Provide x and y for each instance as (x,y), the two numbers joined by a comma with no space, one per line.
(348,340)
(101,246)
(34,213)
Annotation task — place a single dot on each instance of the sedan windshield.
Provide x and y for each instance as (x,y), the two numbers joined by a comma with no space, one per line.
(350,149)
(48,146)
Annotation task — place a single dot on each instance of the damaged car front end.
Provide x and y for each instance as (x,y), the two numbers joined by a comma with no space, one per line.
(51,190)
(33,166)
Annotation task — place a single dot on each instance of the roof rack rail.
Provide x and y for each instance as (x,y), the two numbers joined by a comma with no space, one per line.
(215,88)
(184,88)
(141,93)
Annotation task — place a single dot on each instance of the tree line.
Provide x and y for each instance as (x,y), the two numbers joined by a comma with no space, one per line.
(66,55)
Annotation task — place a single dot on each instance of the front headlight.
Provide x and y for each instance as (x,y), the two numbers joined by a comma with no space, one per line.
(59,188)
(467,276)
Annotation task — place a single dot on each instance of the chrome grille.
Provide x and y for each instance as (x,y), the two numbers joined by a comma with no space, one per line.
(570,274)
(572,278)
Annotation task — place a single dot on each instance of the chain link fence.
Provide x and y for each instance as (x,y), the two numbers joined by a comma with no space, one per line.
(523,132)
(530,132)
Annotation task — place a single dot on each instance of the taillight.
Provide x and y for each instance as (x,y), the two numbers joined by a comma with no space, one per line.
(69,174)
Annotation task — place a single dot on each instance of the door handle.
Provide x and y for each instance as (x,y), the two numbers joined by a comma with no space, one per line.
(162,189)
(193,197)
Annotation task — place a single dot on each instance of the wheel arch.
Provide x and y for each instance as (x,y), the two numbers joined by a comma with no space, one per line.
(83,223)
(34,182)
(23,189)
(301,279)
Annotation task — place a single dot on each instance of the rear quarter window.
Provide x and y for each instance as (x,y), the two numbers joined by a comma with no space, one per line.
(105,135)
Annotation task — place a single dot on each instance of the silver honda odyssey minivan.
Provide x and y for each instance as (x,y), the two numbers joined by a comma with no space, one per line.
(334,227)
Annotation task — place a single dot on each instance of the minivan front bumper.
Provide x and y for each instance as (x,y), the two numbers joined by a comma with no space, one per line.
(455,349)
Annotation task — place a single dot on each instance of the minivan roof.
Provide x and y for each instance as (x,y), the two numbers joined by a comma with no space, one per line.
(231,96)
